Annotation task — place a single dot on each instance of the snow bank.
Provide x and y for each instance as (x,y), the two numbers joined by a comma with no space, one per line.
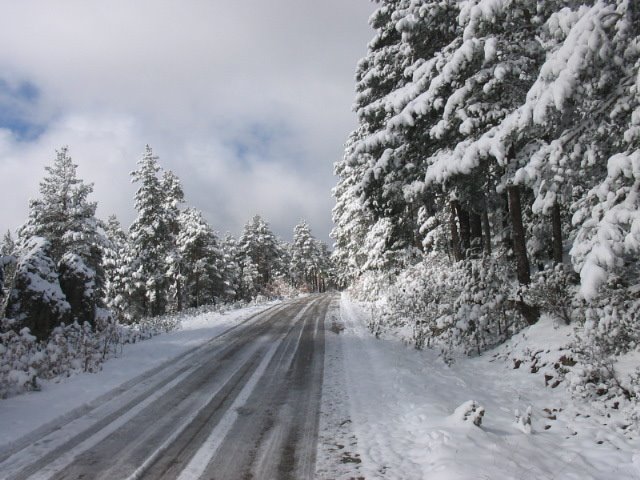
(22,414)
(402,403)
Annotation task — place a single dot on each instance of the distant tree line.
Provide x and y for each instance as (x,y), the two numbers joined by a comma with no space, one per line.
(67,266)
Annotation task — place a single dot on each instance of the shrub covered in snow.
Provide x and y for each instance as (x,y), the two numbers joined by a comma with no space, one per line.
(467,306)
(69,349)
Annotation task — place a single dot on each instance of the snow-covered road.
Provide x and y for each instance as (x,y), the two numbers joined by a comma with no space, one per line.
(246,403)
(302,390)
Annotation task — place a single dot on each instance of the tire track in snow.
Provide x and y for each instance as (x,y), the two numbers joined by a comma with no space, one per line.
(275,435)
(110,407)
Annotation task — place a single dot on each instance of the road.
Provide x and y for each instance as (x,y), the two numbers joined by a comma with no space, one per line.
(243,406)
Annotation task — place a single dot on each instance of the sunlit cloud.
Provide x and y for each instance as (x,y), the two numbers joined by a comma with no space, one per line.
(248,102)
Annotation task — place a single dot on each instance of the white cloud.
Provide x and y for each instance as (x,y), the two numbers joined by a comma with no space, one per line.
(191,78)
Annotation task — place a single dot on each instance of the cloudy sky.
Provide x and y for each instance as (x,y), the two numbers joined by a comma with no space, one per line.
(249,102)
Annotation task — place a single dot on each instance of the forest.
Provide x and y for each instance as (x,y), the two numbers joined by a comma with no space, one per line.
(75,288)
(493,180)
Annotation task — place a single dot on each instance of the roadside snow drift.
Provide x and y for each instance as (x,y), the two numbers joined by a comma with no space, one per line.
(25,413)
(415,417)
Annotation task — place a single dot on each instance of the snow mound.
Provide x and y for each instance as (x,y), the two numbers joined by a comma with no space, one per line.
(469,411)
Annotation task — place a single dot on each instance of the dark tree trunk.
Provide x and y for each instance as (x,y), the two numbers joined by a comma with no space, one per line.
(465,228)
(475,222)
(159,303)
(531,313)
(455,238)
(197,290)
(507,241)
(179,294)
(486,231)
(517,236)
(557,233)
(144,303)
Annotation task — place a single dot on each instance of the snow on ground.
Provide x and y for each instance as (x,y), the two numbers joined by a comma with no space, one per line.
(400,405)
(24,413)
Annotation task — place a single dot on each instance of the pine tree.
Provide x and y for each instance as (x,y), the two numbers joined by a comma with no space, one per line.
(37,301)
(119,287)
(201,258)
(174,196)
(305,257)
(351,219)
(7,267)
(258,244)
(231,270)
(8,246)
(65,217)
(153,232)
(250,281)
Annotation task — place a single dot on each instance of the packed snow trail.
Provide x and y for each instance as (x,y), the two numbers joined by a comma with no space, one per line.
(245,404)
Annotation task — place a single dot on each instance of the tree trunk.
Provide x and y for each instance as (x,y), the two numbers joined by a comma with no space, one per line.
(465,228)
(455,238)
(196,291)
(518,237)
(486,229)
(531,313)
(507,241)
(475,223)
(557,233)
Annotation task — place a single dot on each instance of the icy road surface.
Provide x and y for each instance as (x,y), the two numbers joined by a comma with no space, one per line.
(243,405)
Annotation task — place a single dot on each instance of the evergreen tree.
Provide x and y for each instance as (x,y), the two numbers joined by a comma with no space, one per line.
(174,196)
(119,287)
(352,220)
(37,301)
(258,247)
(153,232)
(231,269)
(8,247)
(65,217)
(250,280)
(201,258)
(7,267)
(305,257)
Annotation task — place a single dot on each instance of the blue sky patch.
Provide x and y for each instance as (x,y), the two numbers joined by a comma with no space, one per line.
(17,109)
(262,141)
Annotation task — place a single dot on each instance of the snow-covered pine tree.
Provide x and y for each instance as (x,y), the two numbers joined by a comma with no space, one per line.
(119,285)
(201,258)
(326,271)
(153,232)
(363,197)
(285,250)
(305,258)
(351,219)
(259,244)
(231,271)
(2,282)
(36,300)
(250,281)
(8,260)
(174,197)
(65,217)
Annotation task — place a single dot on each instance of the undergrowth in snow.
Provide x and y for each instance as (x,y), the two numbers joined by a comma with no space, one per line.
(77,348)
(61,395)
